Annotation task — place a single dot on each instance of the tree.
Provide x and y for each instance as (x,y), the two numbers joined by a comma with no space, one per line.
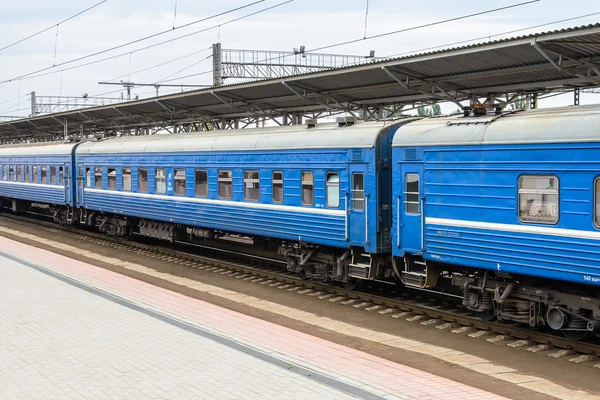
(432,111)
(520,103)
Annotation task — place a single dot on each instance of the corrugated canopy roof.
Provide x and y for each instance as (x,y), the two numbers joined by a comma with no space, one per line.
(564,58)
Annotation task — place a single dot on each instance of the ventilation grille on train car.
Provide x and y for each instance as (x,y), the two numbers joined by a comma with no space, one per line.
(411,155)
(357,155)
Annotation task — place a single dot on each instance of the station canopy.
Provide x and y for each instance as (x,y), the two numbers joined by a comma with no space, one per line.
(557,60)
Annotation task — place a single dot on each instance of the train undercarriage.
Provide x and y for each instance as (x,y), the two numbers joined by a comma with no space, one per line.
(573,311)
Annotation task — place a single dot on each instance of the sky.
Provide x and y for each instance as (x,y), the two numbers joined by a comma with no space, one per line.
(310,23)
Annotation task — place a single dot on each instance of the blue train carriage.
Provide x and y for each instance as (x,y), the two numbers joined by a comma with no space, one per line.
(38,176)
(505,208)
(318,194)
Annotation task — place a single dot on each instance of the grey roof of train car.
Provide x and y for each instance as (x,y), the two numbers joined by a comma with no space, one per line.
(553,125)
(37,149)
(328,135)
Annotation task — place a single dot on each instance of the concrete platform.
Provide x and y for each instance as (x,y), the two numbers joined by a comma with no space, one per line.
(73,330)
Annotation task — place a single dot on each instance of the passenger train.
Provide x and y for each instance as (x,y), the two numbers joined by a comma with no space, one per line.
(502,209)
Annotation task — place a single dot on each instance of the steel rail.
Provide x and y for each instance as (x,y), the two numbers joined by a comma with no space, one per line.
(268,270)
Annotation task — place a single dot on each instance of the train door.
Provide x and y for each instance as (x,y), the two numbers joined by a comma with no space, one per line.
(411,209)
(66,179)
(81,183)
(359,206)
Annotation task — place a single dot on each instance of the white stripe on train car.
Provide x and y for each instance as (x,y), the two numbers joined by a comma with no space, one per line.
(262,206)
(41,185)
(539,230)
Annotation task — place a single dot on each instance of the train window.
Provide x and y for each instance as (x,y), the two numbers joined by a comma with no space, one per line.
(411,194)
(61,176)
(127,179)
(34,174)
(19,173)
(225,185)
(180,182)
(88,177)
(4,173)
(161,181)
(27,178)
(112,179)
(67,177)
(201,183)
(277,183)
(98,178)
(53,175)
(358,192)
(142,180)
(308,186)
(333,190)
(43,171)
(251,185)
(538,199)
(597,202)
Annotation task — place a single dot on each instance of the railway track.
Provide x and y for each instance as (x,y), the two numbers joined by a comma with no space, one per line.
(434,312)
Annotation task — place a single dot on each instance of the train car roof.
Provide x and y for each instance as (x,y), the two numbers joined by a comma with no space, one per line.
(323,135)
(553,125)
(37,149)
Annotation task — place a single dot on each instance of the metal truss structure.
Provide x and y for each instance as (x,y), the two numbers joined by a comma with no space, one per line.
(264,64)
(57,104)
(490,74)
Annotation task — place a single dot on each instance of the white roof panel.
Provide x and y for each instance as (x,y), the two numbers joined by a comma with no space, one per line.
(329,135)
(553,125)
(38,149)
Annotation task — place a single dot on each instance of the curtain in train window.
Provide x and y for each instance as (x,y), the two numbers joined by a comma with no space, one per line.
(27,178)
(142,180)
(180,182)
(333,190)
(34,174)
(411,194)
(277,183)
(225,185)
(112,179)
(19,173)
(53,175)
(308,188)
(538,199)
(88,177)
(11,172)
(44,174)
(127,179)
(201,183)
(161,181)
(98,178)
(358,192)
(4,172)
(251,185)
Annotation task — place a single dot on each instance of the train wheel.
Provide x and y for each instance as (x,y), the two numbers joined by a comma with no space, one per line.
(485,315)
(353,284)
(578,336)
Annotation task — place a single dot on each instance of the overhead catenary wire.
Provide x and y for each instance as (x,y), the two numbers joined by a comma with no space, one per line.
(37,75)
(158,65)
(384,34)
(494,35)
(175,14)
(366,19)
(183,69)
(412,28)
(135,41)
(50,27)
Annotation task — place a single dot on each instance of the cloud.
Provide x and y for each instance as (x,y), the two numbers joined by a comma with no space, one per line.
(304,22)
